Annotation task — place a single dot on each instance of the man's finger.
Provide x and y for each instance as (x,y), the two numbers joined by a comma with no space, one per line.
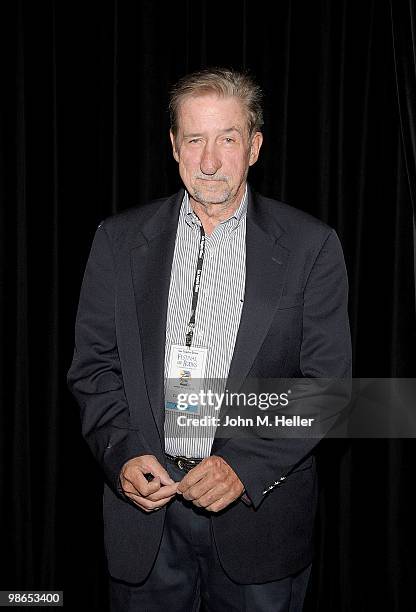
(147,505)
(151,465)
(202,487)
(207,498)
(135,469)
(192,477)
(163,493)
(143,486)
(218,505)
(159,471)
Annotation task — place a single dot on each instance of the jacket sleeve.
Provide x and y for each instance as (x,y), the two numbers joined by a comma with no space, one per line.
(264,463)
(95,376)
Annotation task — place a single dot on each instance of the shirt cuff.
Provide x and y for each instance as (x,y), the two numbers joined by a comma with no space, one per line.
(245,498)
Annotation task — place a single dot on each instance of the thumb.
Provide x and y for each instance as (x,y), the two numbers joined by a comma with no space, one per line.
(161,473)
(165,479)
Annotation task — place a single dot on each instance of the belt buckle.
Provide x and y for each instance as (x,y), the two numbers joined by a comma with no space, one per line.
(180,463)
(185,463)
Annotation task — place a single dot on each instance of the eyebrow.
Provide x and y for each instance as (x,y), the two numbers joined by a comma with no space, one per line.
(225,131)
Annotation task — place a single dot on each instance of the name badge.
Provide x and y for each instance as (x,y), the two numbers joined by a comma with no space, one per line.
(186,372)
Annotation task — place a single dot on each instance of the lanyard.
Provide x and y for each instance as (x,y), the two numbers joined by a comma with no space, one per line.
(195,292)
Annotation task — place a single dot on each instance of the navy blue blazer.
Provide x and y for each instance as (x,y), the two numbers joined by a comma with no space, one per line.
(294,324)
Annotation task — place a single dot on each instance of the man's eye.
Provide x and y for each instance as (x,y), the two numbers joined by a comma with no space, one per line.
(195,140)
(229,140)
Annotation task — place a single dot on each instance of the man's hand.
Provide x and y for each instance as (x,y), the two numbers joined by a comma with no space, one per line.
(212,484)
(148,496)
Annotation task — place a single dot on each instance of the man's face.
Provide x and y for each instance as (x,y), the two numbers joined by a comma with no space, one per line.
(213,149)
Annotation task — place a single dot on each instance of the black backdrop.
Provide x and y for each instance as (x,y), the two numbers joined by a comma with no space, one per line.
(84,133)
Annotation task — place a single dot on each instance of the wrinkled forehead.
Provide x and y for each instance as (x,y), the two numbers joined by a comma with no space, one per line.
(210,110)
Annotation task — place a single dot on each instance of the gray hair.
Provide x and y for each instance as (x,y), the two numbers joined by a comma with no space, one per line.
(225,83)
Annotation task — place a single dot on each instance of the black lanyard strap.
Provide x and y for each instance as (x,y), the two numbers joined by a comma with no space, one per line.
(197,283)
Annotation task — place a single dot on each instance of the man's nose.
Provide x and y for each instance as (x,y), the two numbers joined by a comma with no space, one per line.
(210,162)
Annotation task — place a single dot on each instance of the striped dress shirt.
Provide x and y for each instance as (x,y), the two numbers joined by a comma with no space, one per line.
(220,302)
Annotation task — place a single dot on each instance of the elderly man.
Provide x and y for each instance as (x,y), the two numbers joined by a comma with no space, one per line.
(212,283)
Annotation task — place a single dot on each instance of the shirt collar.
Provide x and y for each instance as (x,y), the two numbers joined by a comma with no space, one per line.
(192,220)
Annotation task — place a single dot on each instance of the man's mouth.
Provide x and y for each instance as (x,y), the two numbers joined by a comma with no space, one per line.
(217,180)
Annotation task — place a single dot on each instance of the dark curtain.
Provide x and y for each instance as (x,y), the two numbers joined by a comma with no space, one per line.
(84,134)
(403,21)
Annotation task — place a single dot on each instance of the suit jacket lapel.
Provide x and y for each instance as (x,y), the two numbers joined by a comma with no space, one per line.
(266,267)
(151,263)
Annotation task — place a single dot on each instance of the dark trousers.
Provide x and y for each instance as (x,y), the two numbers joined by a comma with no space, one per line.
(187,572)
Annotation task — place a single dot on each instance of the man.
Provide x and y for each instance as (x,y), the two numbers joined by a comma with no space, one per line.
(214,282)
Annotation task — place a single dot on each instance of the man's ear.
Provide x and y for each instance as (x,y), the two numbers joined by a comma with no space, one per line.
(174,149)
(256,142)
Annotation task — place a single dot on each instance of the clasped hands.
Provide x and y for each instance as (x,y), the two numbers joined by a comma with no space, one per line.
(212,484)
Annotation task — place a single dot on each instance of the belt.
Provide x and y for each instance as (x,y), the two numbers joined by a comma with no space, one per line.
(184,463)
